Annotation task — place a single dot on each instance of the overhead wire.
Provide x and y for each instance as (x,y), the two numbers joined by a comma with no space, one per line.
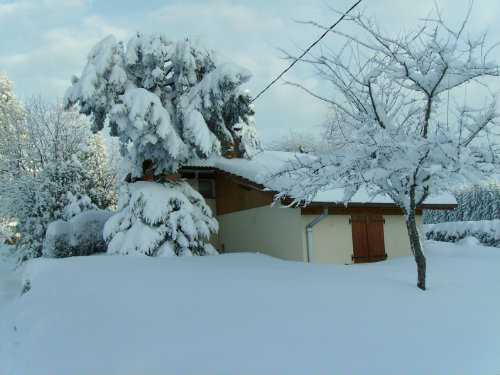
(307,50)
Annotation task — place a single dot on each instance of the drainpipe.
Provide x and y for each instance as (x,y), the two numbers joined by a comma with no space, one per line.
(195,178)
(309,233)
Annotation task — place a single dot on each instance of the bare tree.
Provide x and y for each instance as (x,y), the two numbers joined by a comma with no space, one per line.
(405,139)
(297,141)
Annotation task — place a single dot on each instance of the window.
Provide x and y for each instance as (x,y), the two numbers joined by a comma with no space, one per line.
(206,188)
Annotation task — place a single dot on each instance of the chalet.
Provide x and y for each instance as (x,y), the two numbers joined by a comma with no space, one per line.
(325,231)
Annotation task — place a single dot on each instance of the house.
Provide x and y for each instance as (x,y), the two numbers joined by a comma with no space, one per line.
(325,231)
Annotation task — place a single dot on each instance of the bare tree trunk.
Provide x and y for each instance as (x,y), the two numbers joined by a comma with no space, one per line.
(416,247)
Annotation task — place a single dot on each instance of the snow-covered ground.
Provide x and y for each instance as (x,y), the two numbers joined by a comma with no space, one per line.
(250,314)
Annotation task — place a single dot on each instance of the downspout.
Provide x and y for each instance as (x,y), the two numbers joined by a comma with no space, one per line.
(309,233)
(195,178)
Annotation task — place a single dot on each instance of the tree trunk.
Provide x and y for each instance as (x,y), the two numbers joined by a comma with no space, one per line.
(416,247)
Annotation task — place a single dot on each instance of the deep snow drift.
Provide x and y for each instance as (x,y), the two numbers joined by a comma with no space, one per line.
(249,313)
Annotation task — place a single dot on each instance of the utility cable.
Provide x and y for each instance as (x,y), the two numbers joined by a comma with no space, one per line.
(307,50)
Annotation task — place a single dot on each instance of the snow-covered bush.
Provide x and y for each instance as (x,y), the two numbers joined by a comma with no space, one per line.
(7,235)
(160,220)
(81,235)
(486,231)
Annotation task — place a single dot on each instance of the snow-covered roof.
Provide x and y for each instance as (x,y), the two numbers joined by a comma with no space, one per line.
(261,168)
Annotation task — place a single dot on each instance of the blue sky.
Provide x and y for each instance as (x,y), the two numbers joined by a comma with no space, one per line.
(44,42)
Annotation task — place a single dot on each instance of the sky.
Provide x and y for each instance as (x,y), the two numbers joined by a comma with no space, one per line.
(43,43)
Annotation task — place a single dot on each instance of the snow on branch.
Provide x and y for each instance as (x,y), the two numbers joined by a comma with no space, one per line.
(167,101)
(404,140)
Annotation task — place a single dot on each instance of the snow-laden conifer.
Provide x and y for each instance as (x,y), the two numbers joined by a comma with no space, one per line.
(168,102)
(160,220)
(101,168)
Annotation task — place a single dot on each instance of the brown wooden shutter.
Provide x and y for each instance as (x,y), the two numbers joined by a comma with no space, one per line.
(375,231)
(368,238)
(359,239)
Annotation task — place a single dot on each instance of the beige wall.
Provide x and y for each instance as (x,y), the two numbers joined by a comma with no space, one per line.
(214,238)
(331,239)
(281,233)
(397,243)
(420,224)
(273,231)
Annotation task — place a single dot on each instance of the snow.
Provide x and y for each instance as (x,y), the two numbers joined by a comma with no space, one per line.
(196,130)
(167,102)
(252,314)
(10,277)
(259,169)
(454,228)
(73,225)
(147,125)
(81,235)
(485,231)
(160,219)
(468,241)
(264,165)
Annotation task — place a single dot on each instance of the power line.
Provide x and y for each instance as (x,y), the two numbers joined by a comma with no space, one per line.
(307,50)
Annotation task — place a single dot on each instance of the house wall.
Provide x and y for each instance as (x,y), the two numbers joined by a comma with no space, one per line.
(332,238)
(397,243)
(233,197)
(273,231)
(214,237)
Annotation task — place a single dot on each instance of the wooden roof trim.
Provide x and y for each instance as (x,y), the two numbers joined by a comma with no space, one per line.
(439,206)
(249,184)
(200,168)
(380,205)
(342,210)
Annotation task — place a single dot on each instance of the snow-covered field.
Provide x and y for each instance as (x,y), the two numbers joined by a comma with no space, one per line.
(250,314)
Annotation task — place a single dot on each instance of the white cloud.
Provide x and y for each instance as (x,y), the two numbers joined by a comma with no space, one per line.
(53,56)
(42,10)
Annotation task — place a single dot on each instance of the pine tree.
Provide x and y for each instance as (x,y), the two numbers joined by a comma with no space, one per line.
(101,172)
(168,102)
(160,220)
(171,101)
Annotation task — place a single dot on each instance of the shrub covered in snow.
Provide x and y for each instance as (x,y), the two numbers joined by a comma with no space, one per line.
(81,235)
(486,231)
(160,220)
(7,235)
